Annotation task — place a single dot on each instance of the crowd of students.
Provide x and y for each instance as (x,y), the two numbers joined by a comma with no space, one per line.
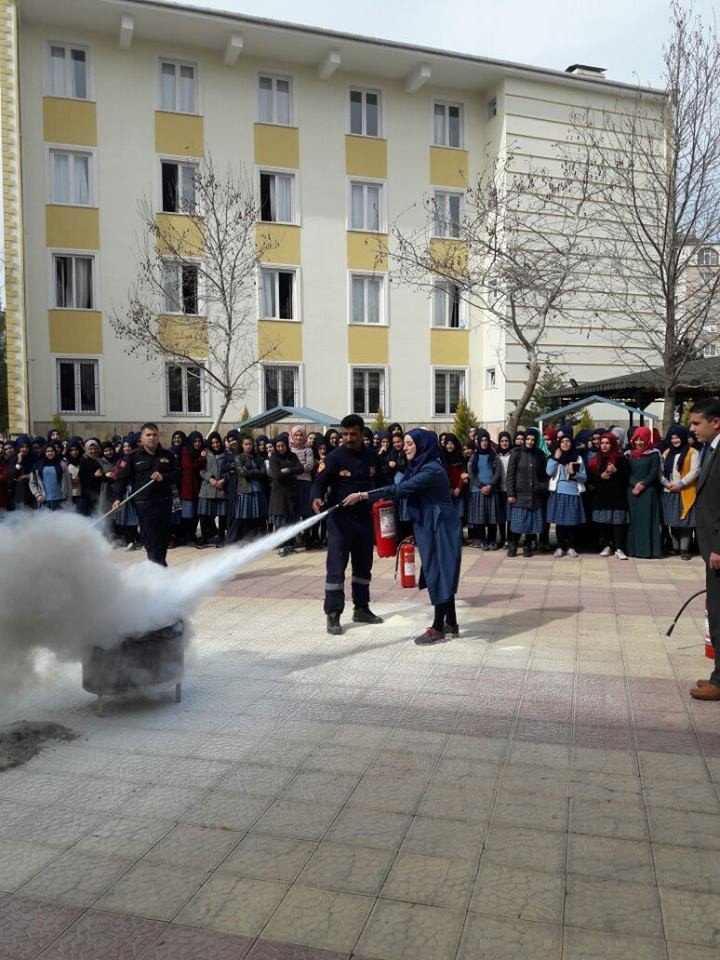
(616,492)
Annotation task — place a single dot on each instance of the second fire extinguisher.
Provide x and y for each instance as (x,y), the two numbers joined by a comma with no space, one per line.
(406,562)
(383,514)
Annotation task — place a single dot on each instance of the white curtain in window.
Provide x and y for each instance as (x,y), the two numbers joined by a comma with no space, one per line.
(373,300)
(357,200)
(439,124)
(60,165)
(265,100)
(63,282)
(453,126)
(81,178)
(187,90)
(454,211)
(79,74)
(187,187)
(439,317)
(282,92)
(373,209)
(57,72)
(269,302)
(358,299)
(169,280)
(283,199)
(83,283)
(167,86)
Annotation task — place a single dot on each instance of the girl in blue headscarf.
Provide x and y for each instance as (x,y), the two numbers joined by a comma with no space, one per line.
(486,474)
(437,529)
(681,469)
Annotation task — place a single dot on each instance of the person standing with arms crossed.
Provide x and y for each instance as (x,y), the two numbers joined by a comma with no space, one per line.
(153,505)
(705,424)
(351,468)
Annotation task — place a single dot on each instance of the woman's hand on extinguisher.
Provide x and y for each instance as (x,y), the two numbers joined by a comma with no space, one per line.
(511,500)
(353,498)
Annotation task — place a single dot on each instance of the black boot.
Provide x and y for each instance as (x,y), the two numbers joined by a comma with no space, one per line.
(365,615)
(333,624)
(512,550)
(527,550)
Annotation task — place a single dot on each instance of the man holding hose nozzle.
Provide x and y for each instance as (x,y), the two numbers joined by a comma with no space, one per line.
(157,469)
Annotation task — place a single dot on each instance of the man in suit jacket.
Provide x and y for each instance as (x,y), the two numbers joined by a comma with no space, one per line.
(705,424)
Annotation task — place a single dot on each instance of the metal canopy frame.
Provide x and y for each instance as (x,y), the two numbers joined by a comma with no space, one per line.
(597,398)
(276,414)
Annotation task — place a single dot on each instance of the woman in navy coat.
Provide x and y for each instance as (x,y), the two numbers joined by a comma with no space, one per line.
(436,527)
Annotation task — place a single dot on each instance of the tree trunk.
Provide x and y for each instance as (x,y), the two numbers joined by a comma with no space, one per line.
(533,377)
(219,415)
(668,409)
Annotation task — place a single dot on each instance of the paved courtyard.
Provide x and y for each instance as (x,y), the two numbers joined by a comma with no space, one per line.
(541,788)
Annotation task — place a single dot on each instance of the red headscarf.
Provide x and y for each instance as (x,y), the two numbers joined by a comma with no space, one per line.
(598,464)
(642,433)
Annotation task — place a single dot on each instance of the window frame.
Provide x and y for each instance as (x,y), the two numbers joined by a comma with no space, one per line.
(295,192)
(491,375)
(179,62)
(271,75)
(462,310)
(441,102)
(385,389)
(97,359)
(447,192)
(53,252)
(383,298)
(279,268)
(299,386)
(491,109)
(89,72)
(180,161)
(204,389)
(189,262)
(464,393)
(382,210)
(380,135)
(90,152)
(707,261)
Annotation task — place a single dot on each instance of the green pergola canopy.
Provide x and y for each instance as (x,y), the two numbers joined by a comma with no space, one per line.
(276,414)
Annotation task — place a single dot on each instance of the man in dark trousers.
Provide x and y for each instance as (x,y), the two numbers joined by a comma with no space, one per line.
(705,424)
(351,468)
(153,505)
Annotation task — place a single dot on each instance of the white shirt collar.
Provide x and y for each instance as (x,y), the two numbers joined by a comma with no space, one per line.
(715,442)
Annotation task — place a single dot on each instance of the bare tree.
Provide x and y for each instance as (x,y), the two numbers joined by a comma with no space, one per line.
(194,302)
(661,208)
(516,249)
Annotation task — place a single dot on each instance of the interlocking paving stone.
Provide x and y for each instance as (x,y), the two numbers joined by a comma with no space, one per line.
(153,890)
(187,943)
(27,926)
(497,938)
(231,904)
(319,918)
(518,893)
(410,931)
(104,936)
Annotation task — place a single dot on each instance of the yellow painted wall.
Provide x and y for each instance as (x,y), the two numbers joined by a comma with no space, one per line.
(186,335)
(180,235)
(278,340)
(277,146)
(76,228)
(179,134)
(450,347)
(75,331)
(69,121)
(451,256)
(278,243)
(365,157)
(448,168)
(366,251)
(367,344)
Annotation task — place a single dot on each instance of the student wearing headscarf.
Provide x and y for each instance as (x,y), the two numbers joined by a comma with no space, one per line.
(303,481)
(126,518)
(608,472)
(50,481)
(284,469)
(436,525)
(332,439)
(504,449)
(457,471)
(681,469)
(212,505)
(486,474)
(73,457)
(643,504)
(526,487)
(192,460)
(567,474)
(519,438)
(92,477)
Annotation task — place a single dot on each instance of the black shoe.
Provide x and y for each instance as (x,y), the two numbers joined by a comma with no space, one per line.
(429,637)
(365,615)
(512,551)
(333,624)
(493,546)
(451,630)
(527,551)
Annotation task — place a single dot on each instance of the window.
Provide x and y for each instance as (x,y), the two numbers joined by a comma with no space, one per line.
(277,295)
(180,288)
(73,282)
(274,100)
(68,72)
(185,388)
(449,389)
(366,294)
(447,125)
(368,391)
(447,214)
(366,206)
(492,108)
(365,113)
(446,306)
(707,257)
(178,87)
(280,386)
(178,186)
(70,173)
(276,197)
(78,386)
(490,378)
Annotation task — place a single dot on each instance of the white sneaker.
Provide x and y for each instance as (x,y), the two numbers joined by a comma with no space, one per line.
(559,552)
(620,555)
(605,552)
(573,553)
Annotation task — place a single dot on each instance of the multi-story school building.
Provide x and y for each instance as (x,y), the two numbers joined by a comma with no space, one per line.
(107,102)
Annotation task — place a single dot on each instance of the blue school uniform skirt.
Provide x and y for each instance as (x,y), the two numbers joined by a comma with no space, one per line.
(217,507)
(483,509)
(524,521)
(672,510)
(565,509)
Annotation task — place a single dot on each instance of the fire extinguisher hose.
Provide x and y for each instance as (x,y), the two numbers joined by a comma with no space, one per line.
(680,612)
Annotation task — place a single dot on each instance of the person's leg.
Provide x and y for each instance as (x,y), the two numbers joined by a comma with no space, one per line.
(451,614)
(619,535)
(712,584)
(492,535)
(361,553)
(336,561)
(441,610)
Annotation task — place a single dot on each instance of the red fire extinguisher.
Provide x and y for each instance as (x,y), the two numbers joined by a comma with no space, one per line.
(383,513)
(406,562)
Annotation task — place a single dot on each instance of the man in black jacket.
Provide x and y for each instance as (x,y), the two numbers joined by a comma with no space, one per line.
(153,505)
(705,424)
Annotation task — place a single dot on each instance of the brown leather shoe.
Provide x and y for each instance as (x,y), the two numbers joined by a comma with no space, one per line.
(702,683)
(707,692)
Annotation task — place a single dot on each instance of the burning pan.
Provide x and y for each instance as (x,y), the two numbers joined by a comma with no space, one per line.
(144,660)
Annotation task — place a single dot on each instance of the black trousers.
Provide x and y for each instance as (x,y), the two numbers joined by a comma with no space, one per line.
(348,538)
(712,583)
(154,517)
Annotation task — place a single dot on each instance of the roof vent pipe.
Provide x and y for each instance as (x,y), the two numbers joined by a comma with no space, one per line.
(584,70)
